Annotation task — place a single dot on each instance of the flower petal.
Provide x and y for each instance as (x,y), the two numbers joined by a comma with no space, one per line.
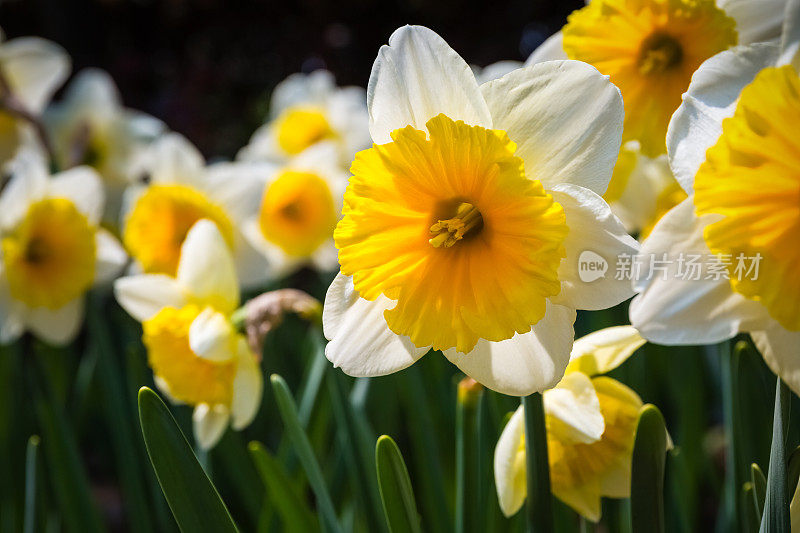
(360,341)
(211,336)
(145,295)
(11,313)
(173,159)
(84,188)
(779,348)
(29,182)
(755,21)
(206,268)
(592,228)
(671,310)
(209,424)
(566,119)
(495,70)
(35,68)
(604,350)
(111,257)
(525,363)
(416,77)
(790,37)
(509,465)
(59,326)
(552,49)
(248,385)
(575,410)
(710,98)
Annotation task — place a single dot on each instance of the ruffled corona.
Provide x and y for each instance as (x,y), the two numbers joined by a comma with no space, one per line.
(752,178)
(50,256)
(649,48)
(448,225)
(300,127)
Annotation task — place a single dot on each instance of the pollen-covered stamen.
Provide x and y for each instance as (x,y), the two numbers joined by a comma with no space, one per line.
(466,221)
(659,52)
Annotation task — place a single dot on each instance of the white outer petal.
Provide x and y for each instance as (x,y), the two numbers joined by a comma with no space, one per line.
(144,295)
(495,70)
(35,69)
(12,325)
(302,89)
(416,77)
(29,182)
(758,21)
(790,38)
(566,119)
(574,403)
(93,88)
(248,387)
(781,351)
(173,159)
(508,466)
(209,423)
(710,98)
(604,350)
(59,326)
(111,257)
(592,227)
(525,363)
(552,49)
(84,188)
(211,336)
(670,310)
(360,341)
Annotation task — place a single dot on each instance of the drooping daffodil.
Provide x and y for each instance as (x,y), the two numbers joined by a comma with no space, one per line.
(308,109)
(591,425)
(463,224)
(197,356)
(733,150)
(52,250)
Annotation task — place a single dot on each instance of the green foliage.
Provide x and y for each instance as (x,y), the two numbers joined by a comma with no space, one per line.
(647,471)
(397,494)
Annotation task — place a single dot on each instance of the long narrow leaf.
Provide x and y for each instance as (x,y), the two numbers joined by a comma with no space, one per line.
(29,522)
(776,504)
(759,485)
(195,502)
(397,494)
(647,471)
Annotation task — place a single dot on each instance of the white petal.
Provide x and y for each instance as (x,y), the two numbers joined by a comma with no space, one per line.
(495,70)
(84,188)
(670,309)
(779,347)
(209,424)
(416,77)
(29,182)
(248,386)
(710,98)
(12,325)
(360,341)
(172,158)
(93,87)
(604,350)
(509,465)
(237,186)
(111,257)
(206,268)
(211,336)
(552,49)
(595,235)
(302,89)
(525,363)
(566,119)
(35,69)
(145,295)
(574,405)
(755,21)
(59,326)
(790,38)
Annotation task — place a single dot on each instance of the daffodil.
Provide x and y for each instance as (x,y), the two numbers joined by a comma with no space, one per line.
(300,205)
(463,224)
(591,424)
(180,190)
(307,109)
(495,70)
(197,357)
(51,249)
(733,149)
(91,127)
(650,48)
(32,69)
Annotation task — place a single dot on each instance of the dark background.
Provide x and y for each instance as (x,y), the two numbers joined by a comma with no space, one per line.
(206,67)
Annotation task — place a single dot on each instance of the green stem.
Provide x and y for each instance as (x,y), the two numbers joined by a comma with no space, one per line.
(29,522)
(539,508)
(468,459)
(729,363)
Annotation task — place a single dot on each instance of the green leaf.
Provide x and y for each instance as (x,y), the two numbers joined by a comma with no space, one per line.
(395,486)
(539,506)
(776,504)
(759,485)
(302,446)
(195,502)
(29,523)
(281,491)
(469,504)
(793,468)
(647,471)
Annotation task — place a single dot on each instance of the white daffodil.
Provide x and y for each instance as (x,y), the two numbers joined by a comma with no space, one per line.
(300,205)
(463,225)
(51,249)
(196,355)
(732,148)
(180,190)
(32,69)
(91,127)
(495,70)
(307,109)
(591,424)
(650,48)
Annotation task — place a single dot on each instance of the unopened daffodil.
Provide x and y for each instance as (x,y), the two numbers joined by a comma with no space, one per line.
(733,148)
(180,190)
(197,356)
(308,109)
(463,224)
(51,249)
(591,424)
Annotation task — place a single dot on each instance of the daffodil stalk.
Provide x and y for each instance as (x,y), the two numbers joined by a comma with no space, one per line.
(468,458)
(539,507)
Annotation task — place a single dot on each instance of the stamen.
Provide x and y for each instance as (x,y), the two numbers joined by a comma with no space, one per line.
(467,220)
(658,53)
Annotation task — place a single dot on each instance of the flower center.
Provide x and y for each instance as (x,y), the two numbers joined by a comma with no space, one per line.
(50,256)
(467,221)
(659,52)
(300,127)
(160,220)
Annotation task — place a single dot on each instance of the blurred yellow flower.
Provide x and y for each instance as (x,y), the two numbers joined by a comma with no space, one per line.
(591,423)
